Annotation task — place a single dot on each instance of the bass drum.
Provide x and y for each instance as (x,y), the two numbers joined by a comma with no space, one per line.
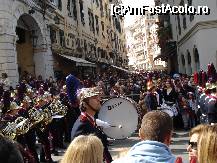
(121,114)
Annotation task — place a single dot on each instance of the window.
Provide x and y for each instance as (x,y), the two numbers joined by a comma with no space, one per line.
(102,24)
(109,15)
(97,3)
(53,36)
(90,20)
(189,62)
(106,10)
(189,57)
(82,12)
(57,3)
(191,15)
(196,55)
(97,24)
(103,28)
(183,15)
(92,17)
(71,7)
(179,26)
(101,8)
(85,45)
(183,63)
(62,39)
(184,21)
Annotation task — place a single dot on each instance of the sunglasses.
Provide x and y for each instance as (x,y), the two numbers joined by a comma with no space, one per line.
(193,145)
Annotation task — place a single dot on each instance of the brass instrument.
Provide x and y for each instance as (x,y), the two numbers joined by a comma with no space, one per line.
(23,125)
(9,131)
(47,119)
(18,127)
(35,116)
(57,108)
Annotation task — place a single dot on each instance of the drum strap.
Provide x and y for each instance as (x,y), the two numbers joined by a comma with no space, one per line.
(84,116)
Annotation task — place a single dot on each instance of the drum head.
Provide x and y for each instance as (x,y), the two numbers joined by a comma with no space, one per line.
(121,113)
(168,111)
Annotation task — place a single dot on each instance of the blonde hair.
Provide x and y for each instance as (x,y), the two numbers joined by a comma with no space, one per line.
(207,145)
(84,149)
(198,129)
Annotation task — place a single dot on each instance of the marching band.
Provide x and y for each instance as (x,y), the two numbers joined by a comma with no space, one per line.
(46,112)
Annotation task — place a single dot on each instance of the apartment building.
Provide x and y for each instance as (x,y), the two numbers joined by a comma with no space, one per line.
(142,44)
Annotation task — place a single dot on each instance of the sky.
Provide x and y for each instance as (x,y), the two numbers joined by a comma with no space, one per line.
(135,3)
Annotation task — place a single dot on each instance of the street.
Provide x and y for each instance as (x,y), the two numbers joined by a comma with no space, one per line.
(120,147)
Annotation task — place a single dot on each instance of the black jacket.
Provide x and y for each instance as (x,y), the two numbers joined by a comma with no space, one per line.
(85,127)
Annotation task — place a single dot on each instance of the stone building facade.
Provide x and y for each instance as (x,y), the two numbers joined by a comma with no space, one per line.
(195,36)
(42,37)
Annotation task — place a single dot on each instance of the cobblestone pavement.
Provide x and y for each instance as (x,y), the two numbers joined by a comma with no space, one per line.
(120,147)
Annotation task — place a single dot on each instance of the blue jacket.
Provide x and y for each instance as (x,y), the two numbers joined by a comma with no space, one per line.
(148,152)
(72,85)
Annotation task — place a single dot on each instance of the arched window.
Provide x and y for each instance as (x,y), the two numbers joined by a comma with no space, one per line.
(184,22)
(196,55)
(189,63)
(183,63)
(189,57)
(197,59)
(183,60)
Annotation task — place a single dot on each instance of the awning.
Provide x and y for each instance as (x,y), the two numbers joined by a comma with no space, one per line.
(120,68)
(79,61)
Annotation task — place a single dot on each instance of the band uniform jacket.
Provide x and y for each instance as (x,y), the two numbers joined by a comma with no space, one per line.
(84,126)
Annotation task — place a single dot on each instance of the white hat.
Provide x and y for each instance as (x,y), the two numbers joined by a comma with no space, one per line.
(87,92)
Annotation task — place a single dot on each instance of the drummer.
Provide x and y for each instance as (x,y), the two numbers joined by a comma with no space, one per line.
(86,123)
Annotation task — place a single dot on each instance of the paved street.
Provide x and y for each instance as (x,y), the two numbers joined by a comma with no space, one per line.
(120,147)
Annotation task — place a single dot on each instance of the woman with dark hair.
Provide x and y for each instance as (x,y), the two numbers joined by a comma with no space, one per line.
(170,97)
(169,93)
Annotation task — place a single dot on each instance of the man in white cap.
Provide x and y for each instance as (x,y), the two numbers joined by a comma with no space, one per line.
(86,123)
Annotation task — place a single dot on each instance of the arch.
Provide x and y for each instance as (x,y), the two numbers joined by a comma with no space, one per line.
(29,40)
(21,10)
